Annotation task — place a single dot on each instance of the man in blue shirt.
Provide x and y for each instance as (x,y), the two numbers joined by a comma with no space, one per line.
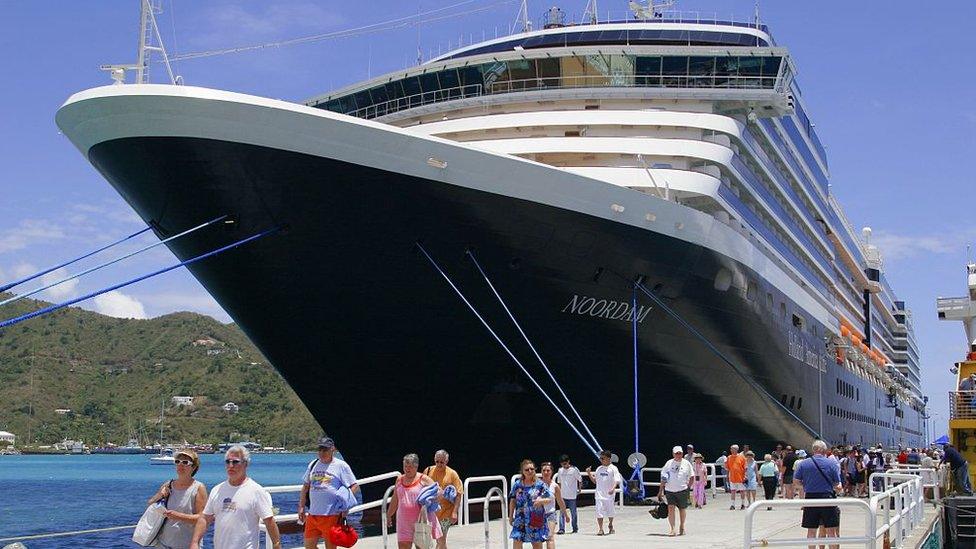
(960,469)
(820,477)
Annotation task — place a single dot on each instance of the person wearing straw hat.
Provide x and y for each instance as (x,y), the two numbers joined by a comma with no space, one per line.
(185,499)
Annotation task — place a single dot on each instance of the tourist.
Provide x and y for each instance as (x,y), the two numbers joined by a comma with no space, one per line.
(236,507)
(721,472)
(960,470)
(554,501)
(913,456)
(527,508)
(862,477)
(444,476)
(849,466)
(327,489)
(769,474)
(751,472)
(820,478)
(736,465)
(690,455)
(676,479)
(789,460)
(701,478)
(605,478)
(185,500)
(404,504)
(570,483)
(798,490)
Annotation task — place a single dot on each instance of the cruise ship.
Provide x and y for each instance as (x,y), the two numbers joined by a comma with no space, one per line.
(601,200)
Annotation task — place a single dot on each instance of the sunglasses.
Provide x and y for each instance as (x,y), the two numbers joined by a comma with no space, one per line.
(527,469)
(233,461)
(183,462)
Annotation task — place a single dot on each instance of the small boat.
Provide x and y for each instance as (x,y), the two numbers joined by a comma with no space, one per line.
(165,457)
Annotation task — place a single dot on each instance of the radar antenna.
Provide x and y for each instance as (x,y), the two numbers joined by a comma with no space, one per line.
(522,22)
(150,40)
(591,13)
(649,9)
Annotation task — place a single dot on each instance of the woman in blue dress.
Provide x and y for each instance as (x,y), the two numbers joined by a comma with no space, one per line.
(751,482)
(527,508)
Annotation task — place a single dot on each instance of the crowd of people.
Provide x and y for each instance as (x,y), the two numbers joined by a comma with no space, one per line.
(541,502)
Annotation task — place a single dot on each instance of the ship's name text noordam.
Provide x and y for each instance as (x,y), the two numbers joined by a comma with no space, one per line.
(606,308)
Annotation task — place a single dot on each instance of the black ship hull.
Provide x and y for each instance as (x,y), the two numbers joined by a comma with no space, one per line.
(390,361)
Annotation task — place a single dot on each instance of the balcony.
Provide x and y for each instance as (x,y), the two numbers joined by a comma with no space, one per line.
(962,404)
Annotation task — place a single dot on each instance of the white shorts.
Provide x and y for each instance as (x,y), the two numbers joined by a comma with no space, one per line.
(604,508)
(737,486)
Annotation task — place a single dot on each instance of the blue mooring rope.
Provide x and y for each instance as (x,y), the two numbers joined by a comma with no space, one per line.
(55,307)
(505,347)
(110,262)
(6,287)
(531,346)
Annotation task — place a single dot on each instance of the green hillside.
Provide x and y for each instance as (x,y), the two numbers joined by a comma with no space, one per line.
(115,374)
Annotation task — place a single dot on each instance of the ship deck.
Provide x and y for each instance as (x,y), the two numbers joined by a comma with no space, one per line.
(712,526)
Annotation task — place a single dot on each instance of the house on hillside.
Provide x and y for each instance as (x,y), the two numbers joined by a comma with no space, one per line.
(62,411)
(182,401)
(8,437)
(231,408)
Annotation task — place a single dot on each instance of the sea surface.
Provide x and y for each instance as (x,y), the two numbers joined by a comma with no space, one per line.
(42,494)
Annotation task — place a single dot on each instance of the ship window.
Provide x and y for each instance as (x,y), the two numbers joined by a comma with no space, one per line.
(797,321)
(792,401)
(751,291)
(648,71)
(799,403)
(769,301)
(782,310)
(677,66)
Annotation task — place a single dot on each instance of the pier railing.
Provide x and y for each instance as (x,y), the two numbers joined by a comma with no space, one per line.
(962,404)
(710,485)
(892,512)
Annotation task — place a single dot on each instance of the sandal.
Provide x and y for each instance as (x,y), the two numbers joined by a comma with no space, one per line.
(600,533)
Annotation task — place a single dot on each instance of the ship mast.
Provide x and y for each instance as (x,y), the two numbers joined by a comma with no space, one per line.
(150,40)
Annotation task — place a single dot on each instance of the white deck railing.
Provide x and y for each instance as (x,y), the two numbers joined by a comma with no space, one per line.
(892,512)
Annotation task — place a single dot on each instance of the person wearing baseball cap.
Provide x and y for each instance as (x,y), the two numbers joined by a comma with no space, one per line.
(328,492)
(676,482)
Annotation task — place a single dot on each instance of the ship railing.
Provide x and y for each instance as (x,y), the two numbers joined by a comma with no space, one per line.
(710,481)
(933,478)
(946,304)
(567,82)
(297,488)
(962,404)
(891,513)
(467,500)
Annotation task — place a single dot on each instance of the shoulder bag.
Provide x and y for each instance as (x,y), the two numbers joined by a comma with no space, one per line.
(151,522)
(423,535)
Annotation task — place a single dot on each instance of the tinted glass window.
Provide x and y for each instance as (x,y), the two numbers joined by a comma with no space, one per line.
(428,82)
(378,94)
(470,75)
(750,66)
(411,86)
(701,66)
(675,66)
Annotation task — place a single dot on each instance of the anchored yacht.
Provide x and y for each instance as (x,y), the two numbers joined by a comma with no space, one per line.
(637,210)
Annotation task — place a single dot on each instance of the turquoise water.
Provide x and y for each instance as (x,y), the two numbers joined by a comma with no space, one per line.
(42,494)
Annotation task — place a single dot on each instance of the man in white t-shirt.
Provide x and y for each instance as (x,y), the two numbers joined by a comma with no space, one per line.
(676,478)
(237,507)
(606,479)
(570,481)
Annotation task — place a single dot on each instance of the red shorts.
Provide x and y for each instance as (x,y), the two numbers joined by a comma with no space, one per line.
(317,526)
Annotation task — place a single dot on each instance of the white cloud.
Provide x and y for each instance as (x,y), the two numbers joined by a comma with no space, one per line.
(61,291)
(197,302)
(895,247)
(119,305)
(28,232)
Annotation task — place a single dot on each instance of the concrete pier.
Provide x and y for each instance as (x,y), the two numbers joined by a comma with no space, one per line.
(714,526)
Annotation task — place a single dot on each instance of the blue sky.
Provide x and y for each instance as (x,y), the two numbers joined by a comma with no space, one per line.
(888,89)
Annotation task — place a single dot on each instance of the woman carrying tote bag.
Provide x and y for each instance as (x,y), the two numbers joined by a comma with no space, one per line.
(414,527)
(185,499)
